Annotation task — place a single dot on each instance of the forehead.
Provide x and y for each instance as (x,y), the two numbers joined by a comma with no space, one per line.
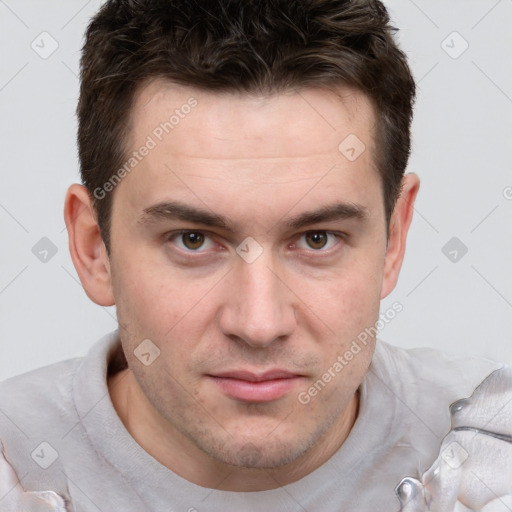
(230,150)
(295,123)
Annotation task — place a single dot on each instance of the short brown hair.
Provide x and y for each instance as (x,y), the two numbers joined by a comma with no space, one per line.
(261,46)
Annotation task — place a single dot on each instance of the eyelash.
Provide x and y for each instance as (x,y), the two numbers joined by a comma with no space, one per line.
(341,237)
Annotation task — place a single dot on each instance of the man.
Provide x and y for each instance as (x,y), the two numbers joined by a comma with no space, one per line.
(244,206)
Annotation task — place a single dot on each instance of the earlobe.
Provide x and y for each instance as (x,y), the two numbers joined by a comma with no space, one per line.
(398,229)
(86,246)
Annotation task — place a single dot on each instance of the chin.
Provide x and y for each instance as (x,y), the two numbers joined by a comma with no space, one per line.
(254,456)
(263,452)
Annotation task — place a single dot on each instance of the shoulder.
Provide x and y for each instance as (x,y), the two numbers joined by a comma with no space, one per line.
(36,412)
(41,422)
(453,376)
(46,375)
(30,399)
(421,385)
(48,394)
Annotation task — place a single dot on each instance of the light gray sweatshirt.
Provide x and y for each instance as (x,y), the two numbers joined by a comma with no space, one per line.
(60,432)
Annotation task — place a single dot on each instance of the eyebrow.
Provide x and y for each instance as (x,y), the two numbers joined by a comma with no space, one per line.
(175,210)
(336,211)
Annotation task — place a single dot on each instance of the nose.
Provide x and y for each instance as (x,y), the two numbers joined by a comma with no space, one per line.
(259,307)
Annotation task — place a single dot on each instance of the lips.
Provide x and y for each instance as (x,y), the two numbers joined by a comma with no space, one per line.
(247,386)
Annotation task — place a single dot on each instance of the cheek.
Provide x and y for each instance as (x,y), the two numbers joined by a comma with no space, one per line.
(349,306)
(144,303)
(154,297)
(348,297)
(168,309)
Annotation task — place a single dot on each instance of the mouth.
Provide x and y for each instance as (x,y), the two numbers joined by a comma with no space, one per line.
(247,386)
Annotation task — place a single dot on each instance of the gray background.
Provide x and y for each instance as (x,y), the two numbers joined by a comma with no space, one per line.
(460,303)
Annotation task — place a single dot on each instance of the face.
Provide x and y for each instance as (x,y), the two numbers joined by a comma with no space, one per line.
(249,249)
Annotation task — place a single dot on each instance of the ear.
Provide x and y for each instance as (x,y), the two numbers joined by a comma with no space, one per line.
(398,228)
(86,246)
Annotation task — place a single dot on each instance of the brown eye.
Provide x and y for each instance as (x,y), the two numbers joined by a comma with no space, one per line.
(192,240)
(316,239)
